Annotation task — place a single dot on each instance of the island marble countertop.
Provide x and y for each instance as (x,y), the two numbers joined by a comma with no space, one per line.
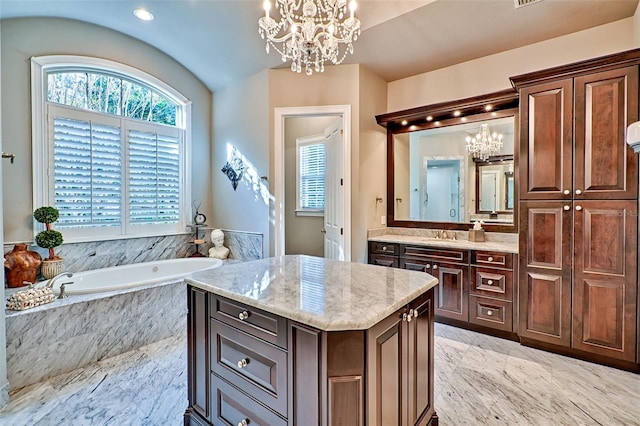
(501,246)
(329,295)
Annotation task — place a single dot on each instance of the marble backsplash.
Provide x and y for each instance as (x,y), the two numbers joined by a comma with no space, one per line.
(102,254)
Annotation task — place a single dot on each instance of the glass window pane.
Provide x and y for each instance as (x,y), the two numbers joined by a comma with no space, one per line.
(104,93)
(68,88)
(136,100)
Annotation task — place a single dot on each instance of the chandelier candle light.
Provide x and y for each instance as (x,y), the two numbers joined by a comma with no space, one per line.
(310,32)
(484,144)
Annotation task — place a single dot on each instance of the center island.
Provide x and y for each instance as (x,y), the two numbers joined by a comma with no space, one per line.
(301,340)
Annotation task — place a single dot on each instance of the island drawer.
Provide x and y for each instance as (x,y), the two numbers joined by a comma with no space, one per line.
(232,407)
(264,325)
(390,249)
(493,313)
(383,260)
(255,366)
(435,254)
(492,258)
(492,282)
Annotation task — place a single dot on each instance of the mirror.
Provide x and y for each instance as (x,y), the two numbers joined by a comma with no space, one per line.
(437,180)
(442,173)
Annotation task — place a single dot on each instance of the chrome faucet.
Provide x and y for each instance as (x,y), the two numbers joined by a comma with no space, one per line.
(52,281)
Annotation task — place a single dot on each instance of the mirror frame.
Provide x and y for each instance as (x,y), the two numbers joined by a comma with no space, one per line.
(468,110)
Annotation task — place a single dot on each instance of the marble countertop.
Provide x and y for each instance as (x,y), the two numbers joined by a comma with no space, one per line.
(326,294)
(501,246)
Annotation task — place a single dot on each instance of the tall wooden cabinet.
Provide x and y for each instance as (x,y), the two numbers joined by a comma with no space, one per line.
(578,283)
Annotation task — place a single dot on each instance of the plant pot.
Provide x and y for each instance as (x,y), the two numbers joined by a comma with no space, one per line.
(51,268)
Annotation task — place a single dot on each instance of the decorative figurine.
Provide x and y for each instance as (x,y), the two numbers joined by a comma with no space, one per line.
(218,251)
(21,265)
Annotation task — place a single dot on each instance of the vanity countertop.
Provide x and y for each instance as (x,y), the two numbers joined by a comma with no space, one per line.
(501,246)
(329,295)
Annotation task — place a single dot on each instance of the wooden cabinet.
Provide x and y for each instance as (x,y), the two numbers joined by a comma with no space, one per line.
(578,210)
(399,382)
(248,366)
(475,286)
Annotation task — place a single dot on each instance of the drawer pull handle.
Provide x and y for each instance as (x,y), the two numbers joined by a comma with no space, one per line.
(244,422)
(411,315)
(490,282)
(489,312)
(243,315)
(243,362)
(490,259)
(435,267)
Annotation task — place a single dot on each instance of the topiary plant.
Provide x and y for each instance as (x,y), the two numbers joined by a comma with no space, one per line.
(48,238)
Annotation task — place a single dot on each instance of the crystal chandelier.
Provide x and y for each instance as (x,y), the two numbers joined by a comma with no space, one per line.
(310,32)
(484,144)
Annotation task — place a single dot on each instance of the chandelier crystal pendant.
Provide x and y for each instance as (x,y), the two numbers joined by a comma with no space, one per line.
(484,144)
(310,32)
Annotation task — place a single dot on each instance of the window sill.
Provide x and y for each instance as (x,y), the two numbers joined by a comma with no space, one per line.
(318,213)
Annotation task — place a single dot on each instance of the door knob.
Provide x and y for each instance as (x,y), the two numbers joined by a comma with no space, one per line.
(578,208)
(324,231)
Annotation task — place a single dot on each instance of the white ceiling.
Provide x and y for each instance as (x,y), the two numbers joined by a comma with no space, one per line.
(218,40)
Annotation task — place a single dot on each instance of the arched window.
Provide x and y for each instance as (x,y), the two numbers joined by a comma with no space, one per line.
(111,145)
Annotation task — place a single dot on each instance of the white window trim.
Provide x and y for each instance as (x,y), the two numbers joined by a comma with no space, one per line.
(40,66)
(306,140)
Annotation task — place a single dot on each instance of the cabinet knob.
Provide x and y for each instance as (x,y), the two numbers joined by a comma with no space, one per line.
(490,259)
(489,312)
(243,362)
(384,248)
(435,267)
(427,266)
(244,422)
(490,282)
(567,192)
(243,315)
(578,192)
(578,208)
(567,208)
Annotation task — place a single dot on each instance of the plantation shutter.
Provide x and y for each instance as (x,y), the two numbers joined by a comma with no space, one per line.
(87,172)
(154,177)
(311,159)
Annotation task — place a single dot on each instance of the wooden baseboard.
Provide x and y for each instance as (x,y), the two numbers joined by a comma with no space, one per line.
(191,417)
(478,328)
(434,420)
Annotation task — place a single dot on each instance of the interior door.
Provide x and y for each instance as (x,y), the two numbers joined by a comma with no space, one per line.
(333,193)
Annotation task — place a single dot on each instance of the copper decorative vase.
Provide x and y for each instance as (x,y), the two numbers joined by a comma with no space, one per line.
(21,265)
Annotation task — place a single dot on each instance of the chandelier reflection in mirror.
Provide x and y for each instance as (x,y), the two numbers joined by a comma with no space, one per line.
(484,144)
(310,32)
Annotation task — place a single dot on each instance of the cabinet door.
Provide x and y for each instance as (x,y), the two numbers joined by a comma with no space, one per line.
(198,342)
(452,292)
(605,278)
(420,378)
(386,365)
(605,167)
(545,271)
(546,141)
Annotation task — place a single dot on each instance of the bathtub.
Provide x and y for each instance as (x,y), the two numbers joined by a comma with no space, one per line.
(134,275)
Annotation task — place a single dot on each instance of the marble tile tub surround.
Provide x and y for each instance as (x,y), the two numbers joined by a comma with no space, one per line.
(327,294)
(494,241)
(479,380)
(103,254)
(67,334)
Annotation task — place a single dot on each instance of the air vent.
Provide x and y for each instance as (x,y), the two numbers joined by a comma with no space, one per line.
(520,3)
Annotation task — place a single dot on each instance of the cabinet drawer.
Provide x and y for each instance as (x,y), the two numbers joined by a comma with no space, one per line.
(256,367)
(258,323)
(382,260)
(390,249)
(231,407)
(492,282)
(492,258)
(491,313)
(435,254)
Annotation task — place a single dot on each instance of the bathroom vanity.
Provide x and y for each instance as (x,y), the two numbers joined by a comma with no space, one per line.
(300,340)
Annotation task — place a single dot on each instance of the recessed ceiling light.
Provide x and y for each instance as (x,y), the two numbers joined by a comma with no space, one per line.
(493,114)
(143,14)
(488,107)
(429,118)
(404,122)
(463,119)
(437,123)
(413,127)
(456,113)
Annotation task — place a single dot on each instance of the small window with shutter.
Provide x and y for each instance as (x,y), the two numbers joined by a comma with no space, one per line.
(310,169)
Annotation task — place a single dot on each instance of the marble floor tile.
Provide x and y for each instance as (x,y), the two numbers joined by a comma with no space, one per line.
(479,380)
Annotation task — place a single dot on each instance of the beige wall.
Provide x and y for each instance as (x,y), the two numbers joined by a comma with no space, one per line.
(24,38)
(4,384)
(491,73)
(241,120)
(302,233)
